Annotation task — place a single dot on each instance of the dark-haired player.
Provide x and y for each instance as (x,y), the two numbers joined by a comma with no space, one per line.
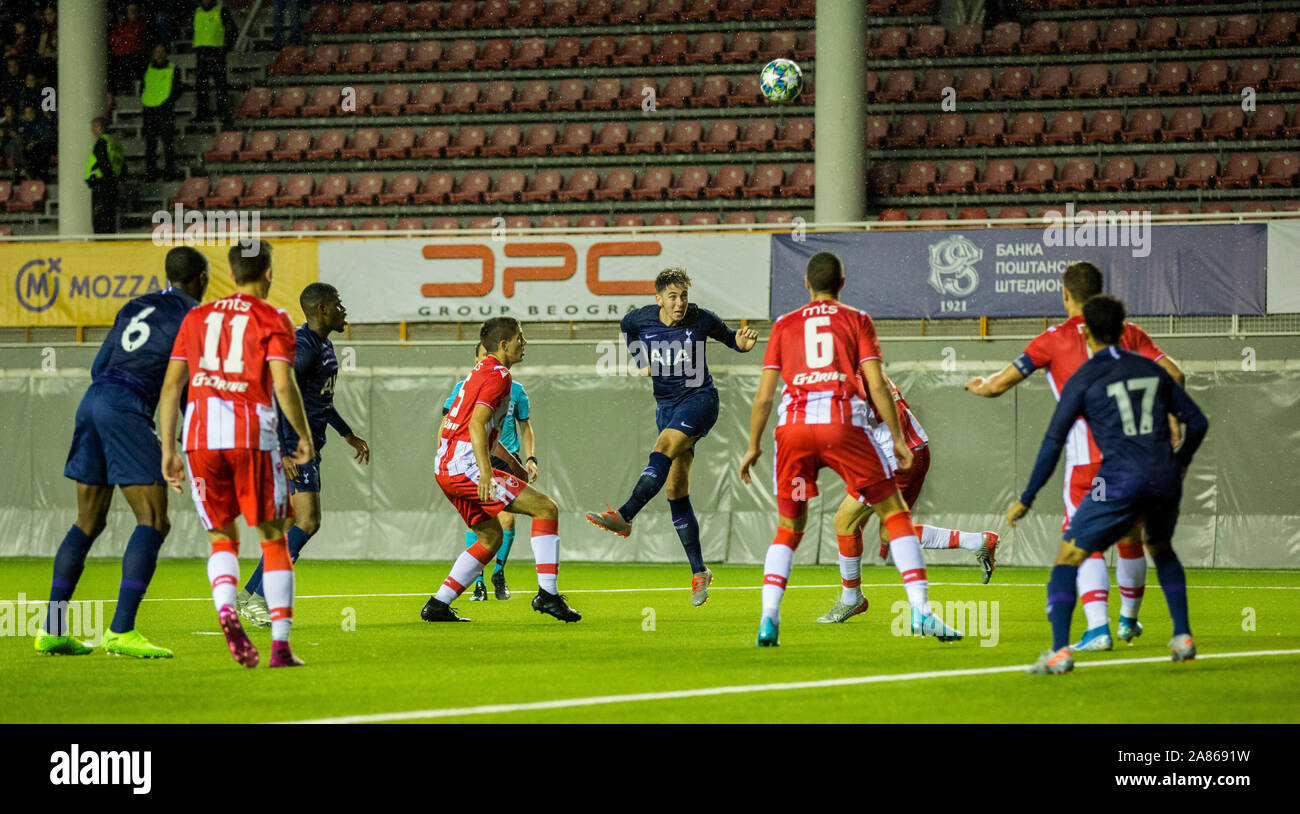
(1061,350)
(114,445)
(667,341)
(469,437)
(316,368)
(1126,400)
(236,354)
(823,352)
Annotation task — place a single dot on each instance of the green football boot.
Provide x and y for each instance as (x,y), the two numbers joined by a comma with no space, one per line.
(48,645)
(131,643)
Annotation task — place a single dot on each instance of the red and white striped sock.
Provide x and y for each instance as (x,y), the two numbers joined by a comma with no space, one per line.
(935,537)
(1131,575)
(850,567)
(1093,583)
(776,571)
(545,540)
(906,548)
(223,572)
(277,586)
(466,568)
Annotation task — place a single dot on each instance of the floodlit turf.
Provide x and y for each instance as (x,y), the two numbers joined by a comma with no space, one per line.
(640,634)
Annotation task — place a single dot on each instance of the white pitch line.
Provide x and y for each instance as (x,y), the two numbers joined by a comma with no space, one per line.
(651,590)
(598,700)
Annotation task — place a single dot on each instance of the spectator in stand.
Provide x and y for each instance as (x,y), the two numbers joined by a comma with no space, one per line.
(162,87)
(295,22)
(40,141)
(104,177)
(32,93)
(214,33)
(47,47)
(11,83)
(11,145)
(128,43)
(21,43)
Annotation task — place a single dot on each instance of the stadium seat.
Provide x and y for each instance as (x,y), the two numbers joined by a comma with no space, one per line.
(1239,170)
(897,87)
(665,11)
(503,142)
(470,188)
(702,219)
(610,139)
(934,84)
(975,84)
(338,225)
(602,94)
(1001,39)
(224,148)
(365,188)
(461,98)
(958,177)
(590,222)
(1065,128)
(726,183)
(1037,175)
(648,138)
(893,215)
(434,189)
(575,141)
(1080,36)
(392,100)
(392,57)
(323,59)
(428,99)
(1175,209)
(740,218)
(356,59)
(399,190)
(669,50)
(947,130)
(1117,173)
(287,102)
(1026,128)
(1143,125)
(910,131)
(328,145)
(1158,34)
(1287,76)
(323,99)
(654,182)
(459,15)
(553,222)
(1076,174)
(458,55)
(541,187)
(1157,173)
(918,178)
(799,182)
(191,192)
(1170,77)
(932,213)
(1051,83)
(877,130)
(469,140)
(615,185)
(1043,37)
(304,226)
(1210,77)
(1249,73)
(1130,79)
(972,213)
(764,182)
(627,220)
(676,92)
(507,188)
(690,183)
(531,96)
(538,140)
(324,19)
(357,18)
(1279,28)
(1217,208)
(889,43)
(594,12)
(1225,122)
(223,195)
(578,186)
(1198,32)
(259,147)
(746,90)
(424,56)
(295,191)
(255,104)
(720,137)
(362,144)
(711,92)
(1257,206)
(390,17)
(758,135)
(1013,83)
(881,176)
(777,216)
(528,52)
(598,52)
(926,41)
(742,47)
(1279,171)
(635,95)
(684,137)
(492,14)
(780,44)
(1184,124)
(1090,81)
(1293,126)
(397,144)
(329,190)
(1008,212)
(1119,35)
(986,130)
(271,225)
(964,40)
(288,61)
(433,143)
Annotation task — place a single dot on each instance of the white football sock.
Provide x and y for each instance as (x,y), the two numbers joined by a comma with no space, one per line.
(850,579)
(278,589)
(1131,575)
(1093,582)
(776,572)
(463,572)
(546,553)
(935,537)
(911,565)
(223,576)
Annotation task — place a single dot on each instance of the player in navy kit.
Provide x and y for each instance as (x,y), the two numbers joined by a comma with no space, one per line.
(1125,399)
(316,368)
(114,444)
(667,341)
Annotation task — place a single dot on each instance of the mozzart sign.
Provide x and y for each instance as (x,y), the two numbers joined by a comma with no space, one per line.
(584,278)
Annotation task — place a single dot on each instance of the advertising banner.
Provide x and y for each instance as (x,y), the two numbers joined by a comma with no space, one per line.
(1284,266)
(84,283)
(578,278)
(1188,270)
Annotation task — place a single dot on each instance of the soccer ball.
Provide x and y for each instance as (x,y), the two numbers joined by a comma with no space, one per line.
(781,81)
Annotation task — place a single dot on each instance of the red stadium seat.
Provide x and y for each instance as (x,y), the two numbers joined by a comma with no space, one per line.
(461,98)
(975,84)
(459,15)
(553,222)
(669,50)
(191,192)
(224,148)
(877,131)
(1239,170)
(893,215)
(635,95)
(711,92)
(677,92)
(1250,73)
(428,99)
(507,188)
(722,133)
(1051,82)
(932,213)
(997,176)
(365,188)
(323,99)
(469,140)
(1129,80)
(538,140)
(356,59)
(1037,175)
(602,94)
(255,103)
(729,10)
(927,41)
(897,87)
(493,56)
(578,187)
(1043,37)
(295,191)
(1184,124)
(528,53)
(324,19)
(910,131)
(1238,30)
(965,40)
(287,102)
(1143,125)
(329,143)
(648,138)
(1076,174)
(690,183)
(684,138)
(1170,77)
(542,187)
(615,185)
(1090,80)
(323,59)
(758,135)
(1225,122)
(564,53)
(398,144)
(665,11)
(653,183)
(1279,171)
(223,195)
(881,176)
(1081,35)
(503,142)
(1158,34)
(1287,76)
(373,225)
(594,12)
(423,16)
(575,141)
(799,182)
(357,18)
(590,221)
(288,61)
(1117,173)
(986,130)
(497,96)
(764,182)
(434,189)
(433,143)
(972,213)
(1293,126)
(746,90)
(1003,38)
(531,96)
(338,225)
(259,147)
(392,56)
(779,44)
(1156,173)
(304,226)
(702,219)
(889,42)
(1008,212)
(934,84)
(599,51)
(958,176)
(1210,77)
(399,190)
(918,178)
(362,145)
(629,12)
(1279,28)
(458,56)
(1013,83)
(424,56)
(729,179)
(1199,172)
(610,139)
(391,17)
(1198,32)
(329,190)
(470,188)
(740,218)
(947,130)
(628,221)
(634,50)
(1065,128)
(1026,128)
(492,14)
(1119,35)
(1175,209)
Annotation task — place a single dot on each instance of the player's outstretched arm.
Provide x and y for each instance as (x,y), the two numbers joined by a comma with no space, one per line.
(878,388)
(758,420)
(285,385)
(169,405)
(997,384)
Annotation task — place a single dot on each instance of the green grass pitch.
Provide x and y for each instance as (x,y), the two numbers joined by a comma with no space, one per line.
(640,634)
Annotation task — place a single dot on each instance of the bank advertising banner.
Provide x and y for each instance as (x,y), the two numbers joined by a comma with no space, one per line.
(1284,266)
(1190,270)
(85,283)
(579,278)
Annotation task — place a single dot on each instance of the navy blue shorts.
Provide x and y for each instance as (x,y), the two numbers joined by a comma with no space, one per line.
(693,415)
(1098,524)
(308,479)
(114,442)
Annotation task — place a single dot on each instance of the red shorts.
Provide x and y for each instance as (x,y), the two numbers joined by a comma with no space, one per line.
(911,480)
(462,491)
(803,449)
(226,483)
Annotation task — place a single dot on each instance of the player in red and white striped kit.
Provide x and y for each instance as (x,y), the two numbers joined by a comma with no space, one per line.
(982,544)
(235,354)
(1062,349)
(823,352)
(469,437)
